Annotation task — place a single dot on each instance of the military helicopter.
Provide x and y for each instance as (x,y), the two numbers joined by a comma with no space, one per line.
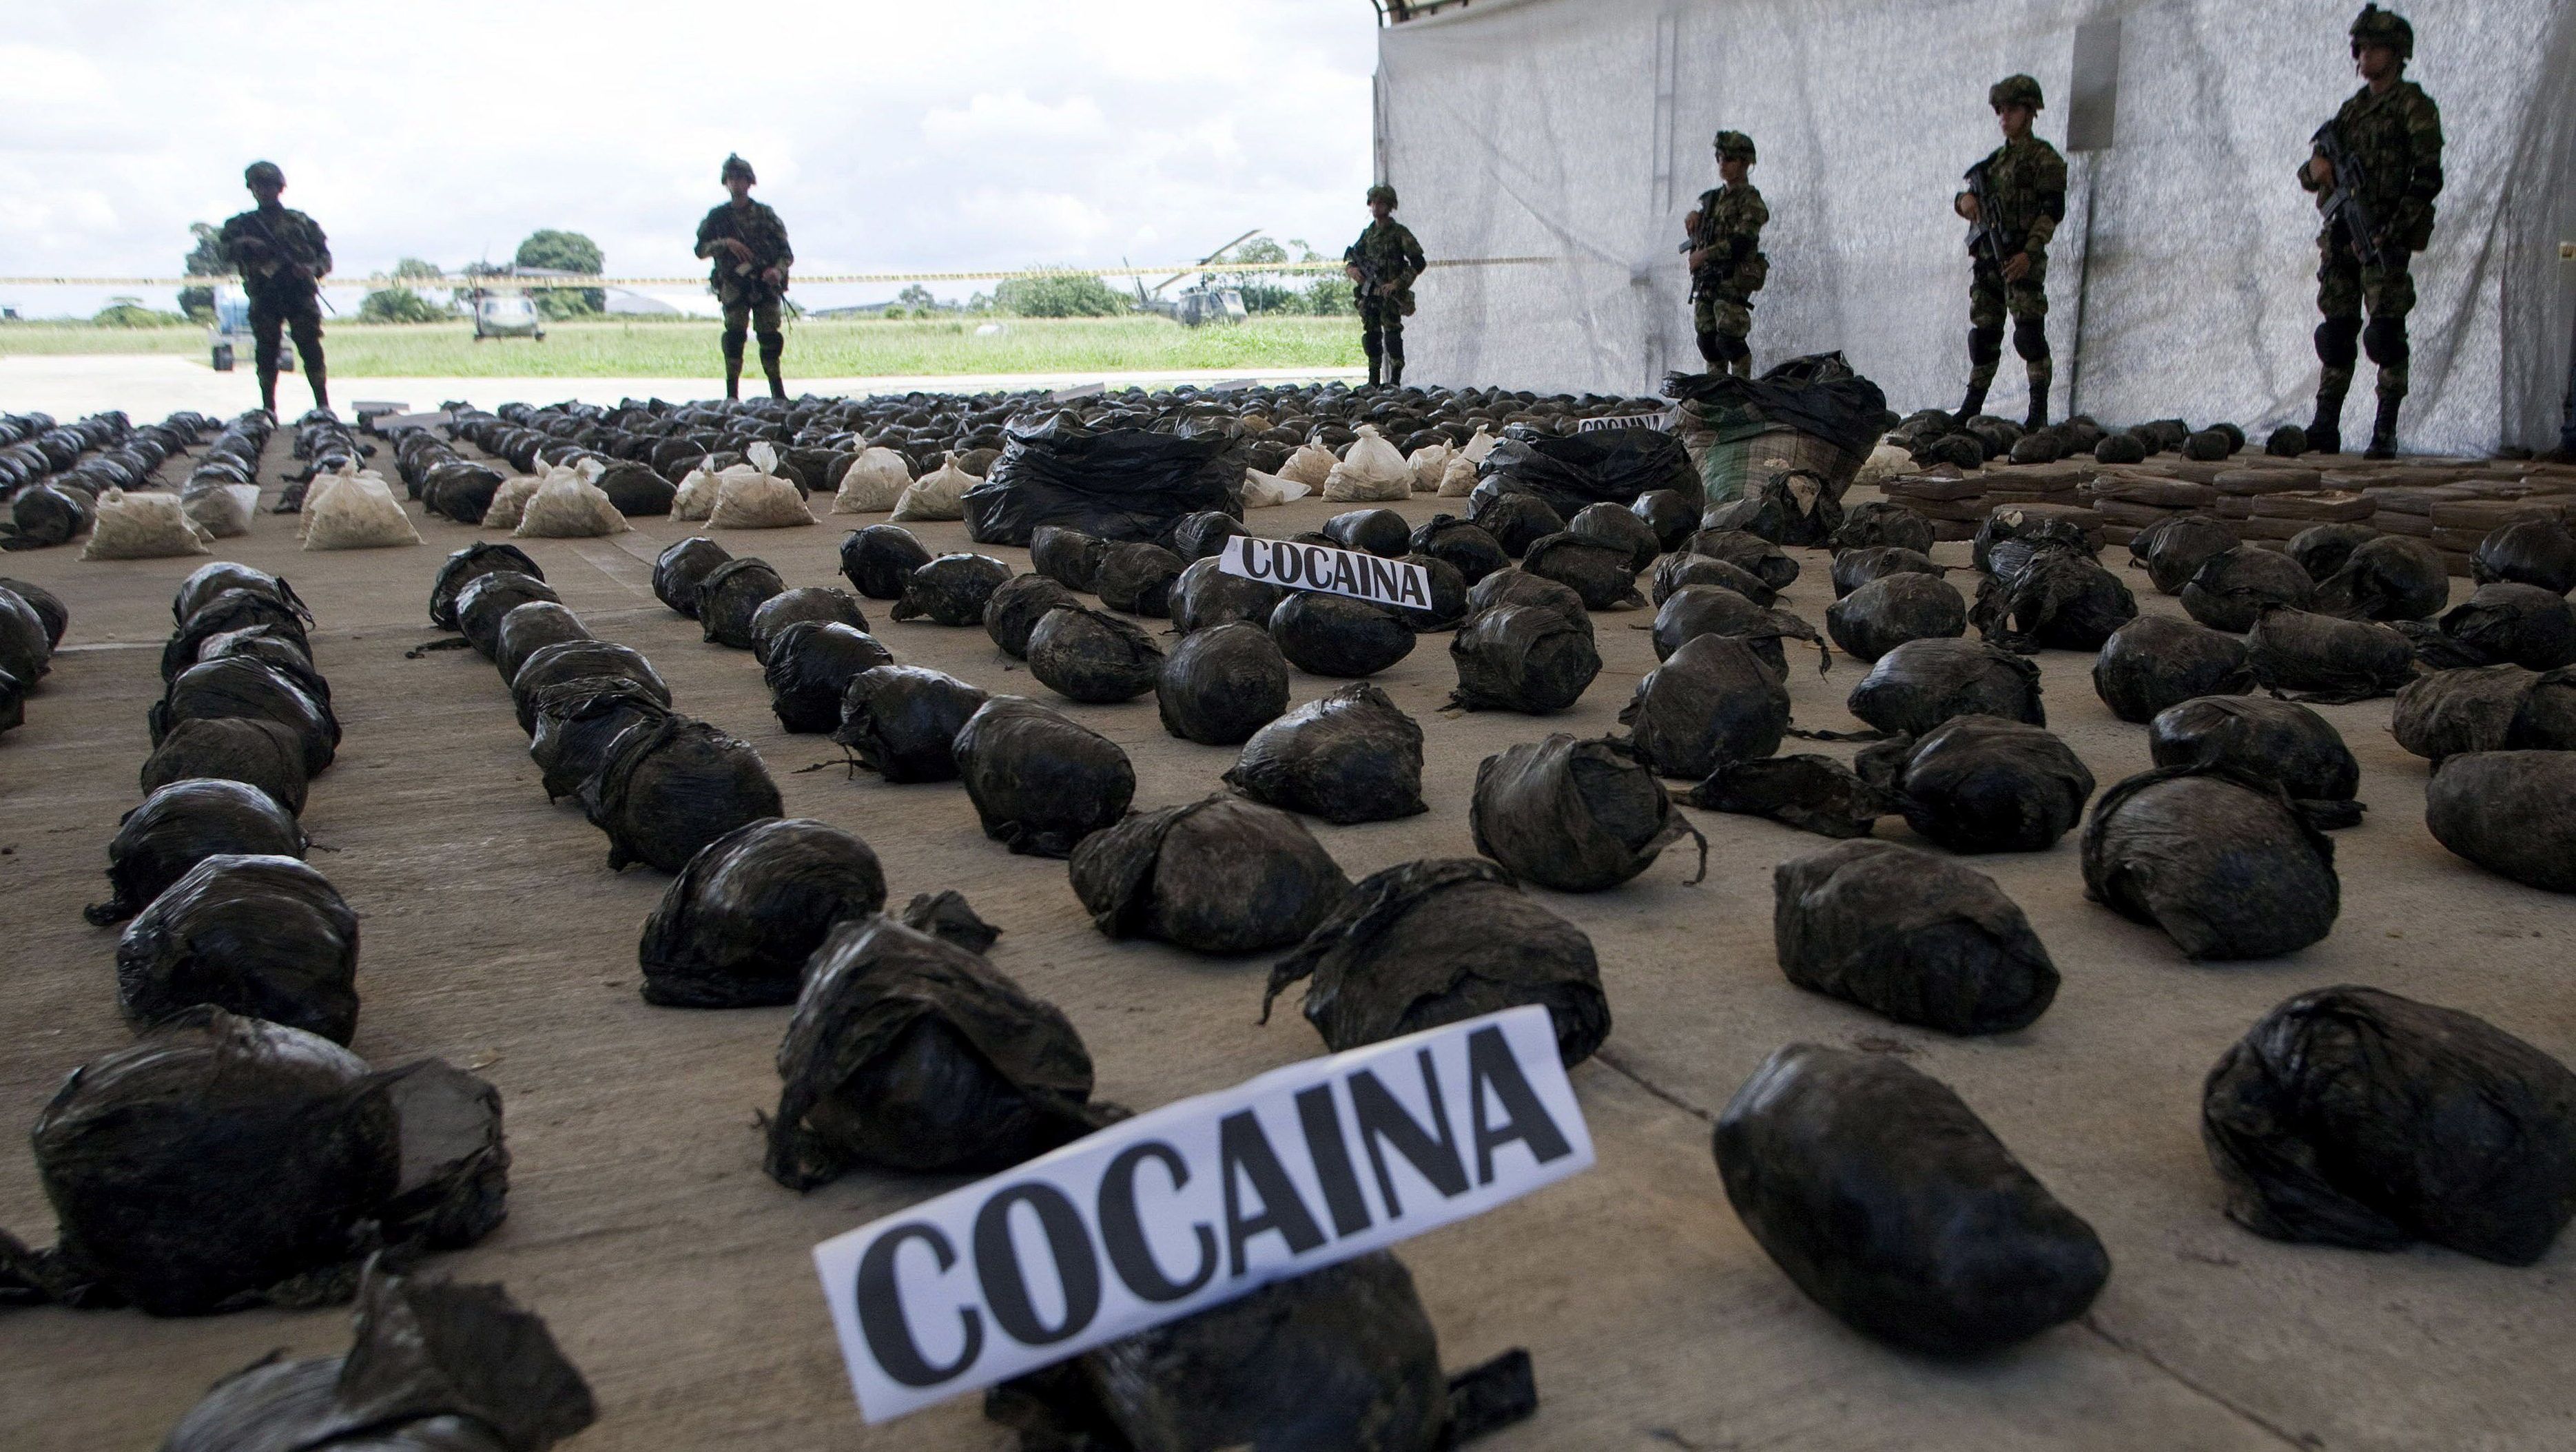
(1200,305)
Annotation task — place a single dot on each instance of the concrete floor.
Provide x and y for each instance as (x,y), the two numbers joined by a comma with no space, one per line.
(676,1274)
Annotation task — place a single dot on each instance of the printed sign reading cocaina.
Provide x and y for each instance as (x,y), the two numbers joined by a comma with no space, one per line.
(1321,567)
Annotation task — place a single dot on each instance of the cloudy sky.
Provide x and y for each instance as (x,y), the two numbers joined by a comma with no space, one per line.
(967,133)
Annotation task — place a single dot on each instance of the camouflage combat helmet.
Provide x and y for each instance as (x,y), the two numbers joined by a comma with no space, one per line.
(2015,91)
(1382,193)
(2374,26)
(1734,146)
(263,171)
(735,166)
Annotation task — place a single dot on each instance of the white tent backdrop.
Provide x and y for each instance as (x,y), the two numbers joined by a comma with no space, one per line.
(1576,133)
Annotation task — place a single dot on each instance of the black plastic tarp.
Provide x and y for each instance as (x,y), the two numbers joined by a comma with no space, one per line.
(1818,394)
(1116,484)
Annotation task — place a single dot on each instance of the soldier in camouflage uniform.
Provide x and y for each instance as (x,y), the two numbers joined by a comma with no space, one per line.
(749,247)
(2394,133)
(282,258)
(2027,180)
(1726,262)
(1384,263)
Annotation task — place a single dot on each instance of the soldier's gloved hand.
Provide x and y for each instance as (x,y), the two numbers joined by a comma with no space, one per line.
(2017,267)
(1965,204)
(1698,258)
(773,276)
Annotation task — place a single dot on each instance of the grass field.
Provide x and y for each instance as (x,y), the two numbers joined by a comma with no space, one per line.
(815,349)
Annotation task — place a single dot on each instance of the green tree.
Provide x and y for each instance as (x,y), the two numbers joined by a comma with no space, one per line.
(917,297)
(129,312)
(399,304)
(564,251)
(1058,295)
(1328,295)
(205,259)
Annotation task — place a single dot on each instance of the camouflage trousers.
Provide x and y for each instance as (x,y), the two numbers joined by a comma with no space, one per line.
(1990,298)
(2345,287)
(289,313)
(1723,318)
(1382,326)
(740,316)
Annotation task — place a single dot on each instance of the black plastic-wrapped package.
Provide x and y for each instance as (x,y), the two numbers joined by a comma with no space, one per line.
(1017,605)
(1221,875)
(1883,522)
(1380,532)
(2223,861)
(679,571)
(1919,938)
(1092,656)
(1527,658)
(181,825)
(261,936)
(575,660)
(2510,621)
(241,686)
(2510,812)
(1334,635)
(820,604)
(2392,577)
(2173,549)
(1892,1205)
(580,722)
(878,560)
(1439,941)
(2324,549)
(1350,756)
(1469,548)
(1205,595)
(1067,556)
(1984,784)
(229,610)
(1118,483)
(1748,552)
(2231,588)
(1615,526)
(57,617)
(1202,536)
(901,722)
(1712,702)
(2010,523)
(733,592)
(1922,683)
(2050,598)
(1222,683)
(530,628)
(1040,782)
(952,589)
(1137,578)
(1577,816)
(267,754)
(2281,740)
(1517,587)
(2537,552)
(2546,719)
(668,790)
(483,557)
(734,929)
(1675,571)
(487,598)
(1610,466)
(1857,567)
(811,665)
(209,580)
(1884,613)
(2157,661)
(2327,659)
(1811,793)
(1697,610)
(1669,513)
(1516,521)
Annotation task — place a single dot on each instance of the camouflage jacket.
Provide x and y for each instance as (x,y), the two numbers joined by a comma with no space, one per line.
(251,240)
(2397,138)
(1387,252)
(756,227)
(2027,179)
(1730,227)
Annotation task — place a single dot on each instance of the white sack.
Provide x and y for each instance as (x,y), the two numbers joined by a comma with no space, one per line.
(1311,465)
(510,501)
(568,506)
(1372,470)
(935,495)
(1428,463)
(874,482)
(358,512)
(1264,491)
(1459,479)
(142,526)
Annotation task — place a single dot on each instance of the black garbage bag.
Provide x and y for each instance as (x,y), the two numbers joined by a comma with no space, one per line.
(1983,784)
(1527,658)
(2391,577)
(1607,466)
(1613,526)
(1854,568)
(679,572)
(2348,1116)
(734,929)
(1040,782)
(1341,1357)
(1516,521)
(1902,932)
(1205,595)
(1438,941)
(488,598)
(1468,548)
(1350,756)
(2527,552)
(1677,571)
(952,589)
(1093,657)
(2281,740)
(1448,596)
(2173,549)
(1712,702)
(910,1052)
(263,936)
(1883,522)
(2509,621)
(201,586)
(1697,610)
(580,722)
(1605,576)
(264,753)
(636,490)
(1673,517)
(22,636)
(2050,598)
(1067,556)
(2156,661)
(2221,859)
(2230,589)
(878,560)
(1892,1205)
(2546,719)
(483,557)
(1221,875)
(820,604)
(732,593)
(1886,612)
(241,686)
(901,722)
(2324,549)
(461,490)
(1515,587)
(1202,536)
(1816,394)
(46,515)
(1137,578)
(573,660)
(1792,508)
(1750,553)
(456,1162)
(1017,605)
(2325,658)
(667,790)
(55,616)
(1335,635)
(811,665)
(1811,793)
(181,825)
(2510,812)
(1222,683)
(1577,816)
(2010,523)
(530,628)
(1381,532)
(433,1367)
(1922,683)
(946,915)
(276,647)
(1117,484)
(214,1160)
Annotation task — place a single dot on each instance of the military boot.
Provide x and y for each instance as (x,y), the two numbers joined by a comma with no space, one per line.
(1376,370)
(2325,431)
(2038,414)
(777,384)
(321,387)
(733,377)
(1972,405)
(1395,372)
(2383,431)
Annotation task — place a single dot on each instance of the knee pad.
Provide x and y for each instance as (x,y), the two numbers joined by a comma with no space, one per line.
(771,342)
(732,342)
(2337,342)
(1985,345)
(1732,348)
(1711,348)
(2385,340)
(1371,344)
(2030,339)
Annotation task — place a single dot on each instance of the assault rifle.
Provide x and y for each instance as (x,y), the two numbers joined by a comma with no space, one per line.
(1699,238)
(2344,204)
(1352,256)
(1986,240)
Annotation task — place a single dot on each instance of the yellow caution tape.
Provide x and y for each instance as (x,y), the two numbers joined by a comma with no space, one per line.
(510,284)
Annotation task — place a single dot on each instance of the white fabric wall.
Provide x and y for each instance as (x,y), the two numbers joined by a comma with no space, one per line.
(1577,131)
